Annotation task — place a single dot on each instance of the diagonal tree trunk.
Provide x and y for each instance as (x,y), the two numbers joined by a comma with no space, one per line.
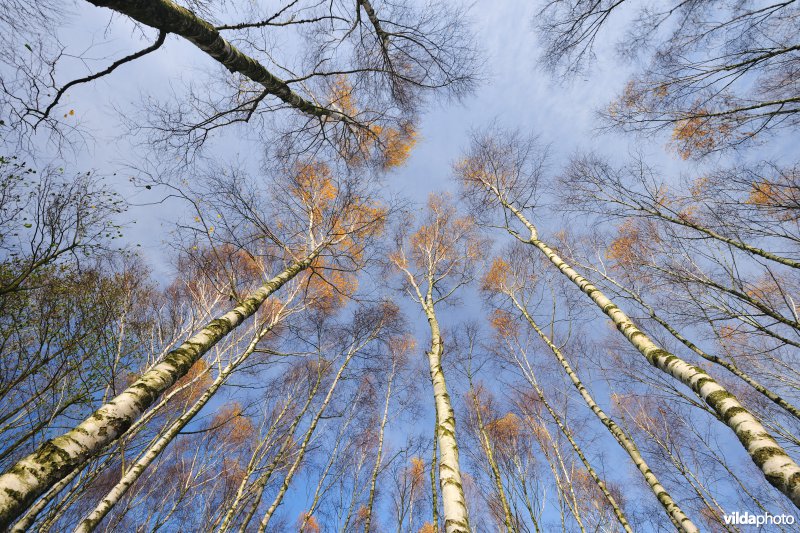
(39,471)
(351,352)
(681,521)
(728,365)
(379,452)
(778,467)
(486,444)
(148,456)
(169,17)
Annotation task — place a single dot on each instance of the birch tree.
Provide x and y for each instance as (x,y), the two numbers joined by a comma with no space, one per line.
(513,283)
(435,261)
(717,74)
(353,77)
(705,246)
(499,177)
(325,216)
(479,410)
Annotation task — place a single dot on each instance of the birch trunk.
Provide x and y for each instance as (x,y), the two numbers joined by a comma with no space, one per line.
(778,467)
(261,482)
(589,468)
(434,492)
(137,469)
(667,502)
(27,520)
(487,449)
(453,501)
(169,17)
(531,378)
(39,471)
(334,455)
(306,439)
(727,365)
(379,453)
(255,458)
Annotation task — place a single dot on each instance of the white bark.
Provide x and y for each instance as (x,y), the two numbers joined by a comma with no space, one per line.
(379,452)
(309,433)
(148,456)
(453,501)
(778,467)
(667,502)
(39,471)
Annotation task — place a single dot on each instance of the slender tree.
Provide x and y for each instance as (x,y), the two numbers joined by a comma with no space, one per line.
(499,177)
(435,261)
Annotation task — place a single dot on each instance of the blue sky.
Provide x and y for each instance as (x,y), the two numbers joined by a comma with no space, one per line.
(514,91)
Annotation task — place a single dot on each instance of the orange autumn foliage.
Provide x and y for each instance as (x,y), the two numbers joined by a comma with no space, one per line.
(630,246)
(761,194)
(232,472)
(363,218)
(311,523)
(390,146)
(496,277)
(699,133)
(342,96)
(445,239)
(363,513)
(313,185)
(503,323)
(506,430)
(231,422)
(416,470)
(427,527)
(328,290)
(700,186)
(196,381)
(732,340)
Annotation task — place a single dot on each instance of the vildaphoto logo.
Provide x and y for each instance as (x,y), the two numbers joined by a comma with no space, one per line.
(748,519)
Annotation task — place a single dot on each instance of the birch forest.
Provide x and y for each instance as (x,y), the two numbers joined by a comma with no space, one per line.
(410,266)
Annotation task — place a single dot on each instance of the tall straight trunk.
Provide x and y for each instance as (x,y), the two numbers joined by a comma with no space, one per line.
(334,455)
(148,456)
(434,491)
(24,523)
(304,445)
(561,477)
(780,470)
(681,521)
(255,458)
(578,450)
(486,444)
(263,479)
(379,453)
(36,473)
(355,493)
(589,468)
(453,501)
(27,520)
